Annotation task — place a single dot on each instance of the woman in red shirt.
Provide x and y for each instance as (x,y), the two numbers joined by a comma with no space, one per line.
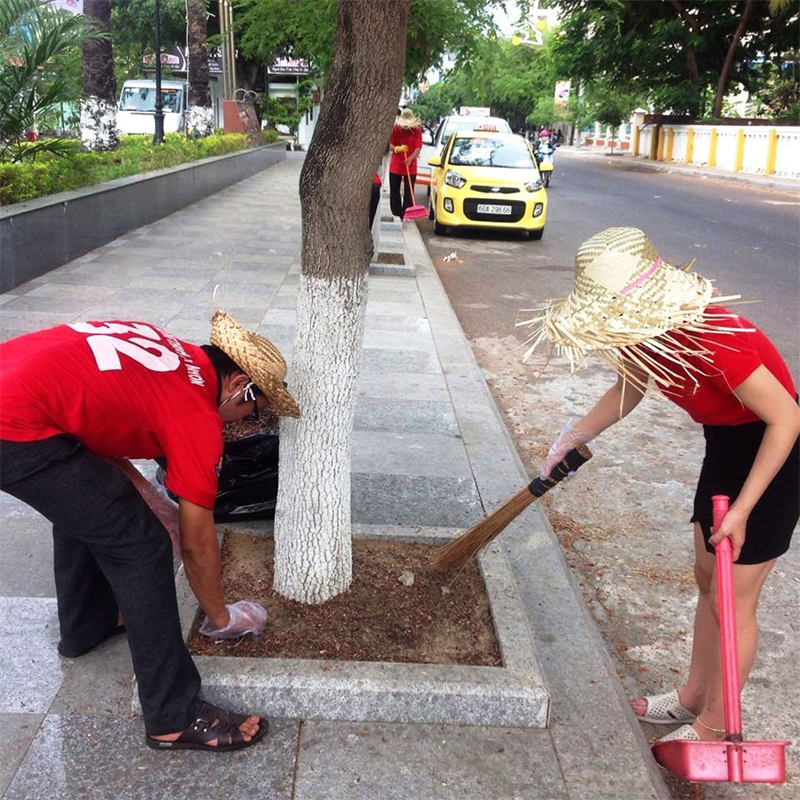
(405,144)
(660,326)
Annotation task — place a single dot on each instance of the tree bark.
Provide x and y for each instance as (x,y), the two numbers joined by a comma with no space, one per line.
(200,115)
(724,76)
(99,88)
(312,524)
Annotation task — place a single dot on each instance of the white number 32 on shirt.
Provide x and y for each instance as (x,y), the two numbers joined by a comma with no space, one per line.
(143,348)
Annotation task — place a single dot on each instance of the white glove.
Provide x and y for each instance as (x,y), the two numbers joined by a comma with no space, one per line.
(570,437)
(246,618)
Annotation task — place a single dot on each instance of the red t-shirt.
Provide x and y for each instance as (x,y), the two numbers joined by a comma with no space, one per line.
(735,356)
(125,389)
(412,138)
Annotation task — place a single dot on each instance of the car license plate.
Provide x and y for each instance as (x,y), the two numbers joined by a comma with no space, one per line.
(494,208)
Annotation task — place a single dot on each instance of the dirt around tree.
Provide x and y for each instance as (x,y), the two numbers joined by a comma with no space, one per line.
(432,621)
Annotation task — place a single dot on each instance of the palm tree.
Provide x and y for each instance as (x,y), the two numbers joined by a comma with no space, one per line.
(98,98)
(32,36)
(200,115)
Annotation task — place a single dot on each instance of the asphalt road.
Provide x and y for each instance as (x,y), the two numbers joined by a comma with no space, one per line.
(745,237)
(623,522)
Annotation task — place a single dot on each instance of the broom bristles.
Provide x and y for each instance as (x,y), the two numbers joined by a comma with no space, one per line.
(461,550)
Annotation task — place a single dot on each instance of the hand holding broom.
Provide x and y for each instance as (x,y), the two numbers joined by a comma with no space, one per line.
(458,552)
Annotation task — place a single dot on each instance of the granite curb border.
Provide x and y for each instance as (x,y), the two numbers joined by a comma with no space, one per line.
(39,235)
(512,695)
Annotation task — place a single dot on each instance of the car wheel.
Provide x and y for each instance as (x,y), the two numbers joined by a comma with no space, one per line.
(536,235)
(546,178)
(430,210)
(439,229)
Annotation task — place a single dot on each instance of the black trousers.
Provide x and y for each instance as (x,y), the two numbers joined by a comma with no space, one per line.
(111,555)
(395,181)
(374,199)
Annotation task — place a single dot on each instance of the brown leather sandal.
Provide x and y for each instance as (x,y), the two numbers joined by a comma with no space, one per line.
(213,723)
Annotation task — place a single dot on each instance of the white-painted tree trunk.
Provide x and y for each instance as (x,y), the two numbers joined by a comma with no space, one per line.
(98,124)
(312,522)
(200,121)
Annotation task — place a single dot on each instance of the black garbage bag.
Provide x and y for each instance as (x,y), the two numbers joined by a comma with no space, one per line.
(248,480)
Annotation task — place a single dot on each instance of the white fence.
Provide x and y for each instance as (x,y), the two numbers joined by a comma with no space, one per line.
(756,149)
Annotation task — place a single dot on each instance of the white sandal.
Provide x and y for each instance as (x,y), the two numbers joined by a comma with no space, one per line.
(684,733)
(665,709)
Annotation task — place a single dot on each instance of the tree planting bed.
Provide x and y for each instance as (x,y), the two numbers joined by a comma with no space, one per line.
(437,619)
(360,685)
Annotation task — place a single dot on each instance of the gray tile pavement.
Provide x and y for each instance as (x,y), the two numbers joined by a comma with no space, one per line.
(426,452)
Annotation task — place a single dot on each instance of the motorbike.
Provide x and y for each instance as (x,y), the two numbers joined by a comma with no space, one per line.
(545,155)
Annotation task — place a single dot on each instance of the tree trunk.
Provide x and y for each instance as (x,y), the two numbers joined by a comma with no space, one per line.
(98,94)
(312,523)
(724,76)
(199,115)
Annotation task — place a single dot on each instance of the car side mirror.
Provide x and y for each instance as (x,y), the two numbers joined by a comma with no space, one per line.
(435,161)
(427,137)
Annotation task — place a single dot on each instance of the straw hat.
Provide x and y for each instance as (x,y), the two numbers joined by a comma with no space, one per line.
(624,305)
(408,119)
(258,358)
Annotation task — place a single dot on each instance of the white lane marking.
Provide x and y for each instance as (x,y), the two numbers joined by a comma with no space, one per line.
(782,202)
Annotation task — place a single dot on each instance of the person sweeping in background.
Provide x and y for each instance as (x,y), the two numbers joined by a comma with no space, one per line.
(405,144)
(662,327)
(76,401)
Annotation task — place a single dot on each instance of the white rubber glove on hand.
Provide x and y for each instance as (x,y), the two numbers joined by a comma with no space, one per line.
(246,618)
(570,437)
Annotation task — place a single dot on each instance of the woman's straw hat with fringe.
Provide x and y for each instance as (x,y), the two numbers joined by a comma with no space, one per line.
(624,306)
(258,358)
(408,119)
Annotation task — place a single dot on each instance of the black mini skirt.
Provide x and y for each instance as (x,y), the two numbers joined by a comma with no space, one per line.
(730,452)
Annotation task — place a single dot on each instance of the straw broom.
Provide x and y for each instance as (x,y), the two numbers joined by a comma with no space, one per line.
(461,550)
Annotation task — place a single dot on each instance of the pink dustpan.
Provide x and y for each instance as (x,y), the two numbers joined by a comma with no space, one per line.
(413,211)
(733,759)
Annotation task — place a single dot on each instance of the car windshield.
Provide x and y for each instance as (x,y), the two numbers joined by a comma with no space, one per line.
(474,151)
(143,98)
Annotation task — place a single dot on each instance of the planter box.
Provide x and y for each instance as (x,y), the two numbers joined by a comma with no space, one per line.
(513,695)
(42,234)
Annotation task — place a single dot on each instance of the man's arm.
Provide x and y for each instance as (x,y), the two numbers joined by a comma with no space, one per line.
(201,560)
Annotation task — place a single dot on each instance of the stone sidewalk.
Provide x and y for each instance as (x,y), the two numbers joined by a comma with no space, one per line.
(430,450)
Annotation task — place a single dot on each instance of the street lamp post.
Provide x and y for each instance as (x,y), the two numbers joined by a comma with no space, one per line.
(158,135)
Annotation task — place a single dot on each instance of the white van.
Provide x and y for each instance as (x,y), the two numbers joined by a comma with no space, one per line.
(464,122)
(137,106)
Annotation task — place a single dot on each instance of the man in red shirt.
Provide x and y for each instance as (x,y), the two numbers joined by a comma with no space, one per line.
(77,401)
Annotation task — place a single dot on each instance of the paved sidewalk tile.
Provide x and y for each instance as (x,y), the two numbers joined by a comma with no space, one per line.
(434,762)
(105,758)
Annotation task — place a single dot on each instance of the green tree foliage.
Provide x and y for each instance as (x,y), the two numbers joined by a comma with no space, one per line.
(516,82)
(133,32)
(437,102)
(675,53)
(305,29)
(35,40)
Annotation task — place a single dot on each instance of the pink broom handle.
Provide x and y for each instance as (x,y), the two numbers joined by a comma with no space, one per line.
(726,602)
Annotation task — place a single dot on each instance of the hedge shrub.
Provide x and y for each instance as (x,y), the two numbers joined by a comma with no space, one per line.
(136,154)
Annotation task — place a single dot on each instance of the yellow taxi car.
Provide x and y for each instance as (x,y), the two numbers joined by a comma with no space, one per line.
(483,179)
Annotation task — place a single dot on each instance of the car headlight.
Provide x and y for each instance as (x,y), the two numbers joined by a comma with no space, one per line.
(534,186)
(452,178)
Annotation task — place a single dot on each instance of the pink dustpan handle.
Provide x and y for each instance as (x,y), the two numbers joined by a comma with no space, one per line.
(727,625)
